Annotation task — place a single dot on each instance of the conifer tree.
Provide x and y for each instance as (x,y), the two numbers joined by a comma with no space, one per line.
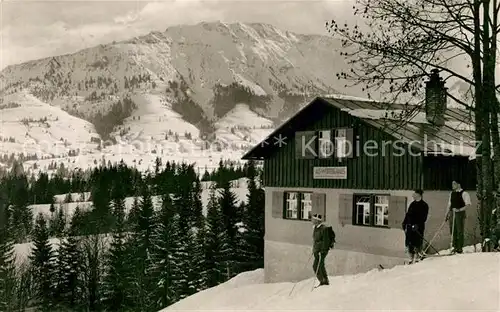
(229,210)
(93,252)
(206,176)
(198,279)
(7,262)
(142,247)
(231,215)
(42,261)
(184,199)
(76,226)
(133,215)
(145,225)
(69,273)
(186,282)
(245,255)
(197,205)
(166,267)
(116,282)
(217,249)
(68,198)
(57,223)
(254,217)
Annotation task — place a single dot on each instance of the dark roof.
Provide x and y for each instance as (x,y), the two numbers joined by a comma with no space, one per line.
(403,122)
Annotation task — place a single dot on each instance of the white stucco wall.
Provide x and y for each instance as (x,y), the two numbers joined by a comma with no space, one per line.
(286,262)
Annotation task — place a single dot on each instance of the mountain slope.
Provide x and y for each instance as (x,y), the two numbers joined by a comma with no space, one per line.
(31,126)
(182,83)
(462,282)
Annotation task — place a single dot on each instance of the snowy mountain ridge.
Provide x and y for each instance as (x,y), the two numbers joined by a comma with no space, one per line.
(184,87)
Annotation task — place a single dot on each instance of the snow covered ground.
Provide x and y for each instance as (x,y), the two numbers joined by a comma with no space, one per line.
(151,132)
(31,126)
(240,191)
(470,281)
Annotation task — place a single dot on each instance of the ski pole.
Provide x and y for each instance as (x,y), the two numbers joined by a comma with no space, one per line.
(316,273)
(435,235)
(428,244)
(452,230)
(294,284)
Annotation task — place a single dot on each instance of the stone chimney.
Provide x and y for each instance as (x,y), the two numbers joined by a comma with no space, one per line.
(435,99)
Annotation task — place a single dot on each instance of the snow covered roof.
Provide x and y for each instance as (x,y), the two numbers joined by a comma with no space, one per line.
(407,123)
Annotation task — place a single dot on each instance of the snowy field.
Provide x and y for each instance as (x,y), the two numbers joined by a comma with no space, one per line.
(154,130)
(239,189)
(467,282)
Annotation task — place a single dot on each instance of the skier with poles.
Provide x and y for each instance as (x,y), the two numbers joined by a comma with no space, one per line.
(414,225)
(458,203)
(323,240)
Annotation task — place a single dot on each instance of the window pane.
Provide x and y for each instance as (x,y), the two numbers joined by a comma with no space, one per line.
(382,199)
(291,205)
(367,215)
(306,206)
(381,210)
(363,210)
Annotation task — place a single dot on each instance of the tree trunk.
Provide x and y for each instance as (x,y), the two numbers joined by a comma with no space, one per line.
(489,95)
(479,113)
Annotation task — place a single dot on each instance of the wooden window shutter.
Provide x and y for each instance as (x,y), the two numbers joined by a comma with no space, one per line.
(346,206)
(397,211)
(278,204)
(304,148)
(319,204)
(351,146)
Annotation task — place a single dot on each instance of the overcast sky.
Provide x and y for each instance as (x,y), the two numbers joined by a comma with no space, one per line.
(37,29)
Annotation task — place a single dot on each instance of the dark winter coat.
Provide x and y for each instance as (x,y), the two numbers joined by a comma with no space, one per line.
(417,214)
(414,223)
(320,239)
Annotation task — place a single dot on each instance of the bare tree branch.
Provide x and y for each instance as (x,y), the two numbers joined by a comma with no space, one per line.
(406,40)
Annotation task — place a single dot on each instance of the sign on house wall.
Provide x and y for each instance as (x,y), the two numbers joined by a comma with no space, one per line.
(330,173)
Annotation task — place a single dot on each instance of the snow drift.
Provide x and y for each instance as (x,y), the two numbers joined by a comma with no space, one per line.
(470,281)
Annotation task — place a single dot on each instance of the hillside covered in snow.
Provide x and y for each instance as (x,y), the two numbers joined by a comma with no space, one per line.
(467,282)
(192,93)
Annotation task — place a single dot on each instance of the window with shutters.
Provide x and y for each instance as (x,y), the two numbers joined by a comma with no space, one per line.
(298,205)
(371,210)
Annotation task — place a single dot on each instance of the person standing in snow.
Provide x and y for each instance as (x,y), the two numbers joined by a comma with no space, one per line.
(320,249)
(458,203)
(414,224)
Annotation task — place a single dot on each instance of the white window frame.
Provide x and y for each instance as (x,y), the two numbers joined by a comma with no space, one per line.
(381,213)
(306,212)
(363,203)
(298,205)
(292,205)
(374,209)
